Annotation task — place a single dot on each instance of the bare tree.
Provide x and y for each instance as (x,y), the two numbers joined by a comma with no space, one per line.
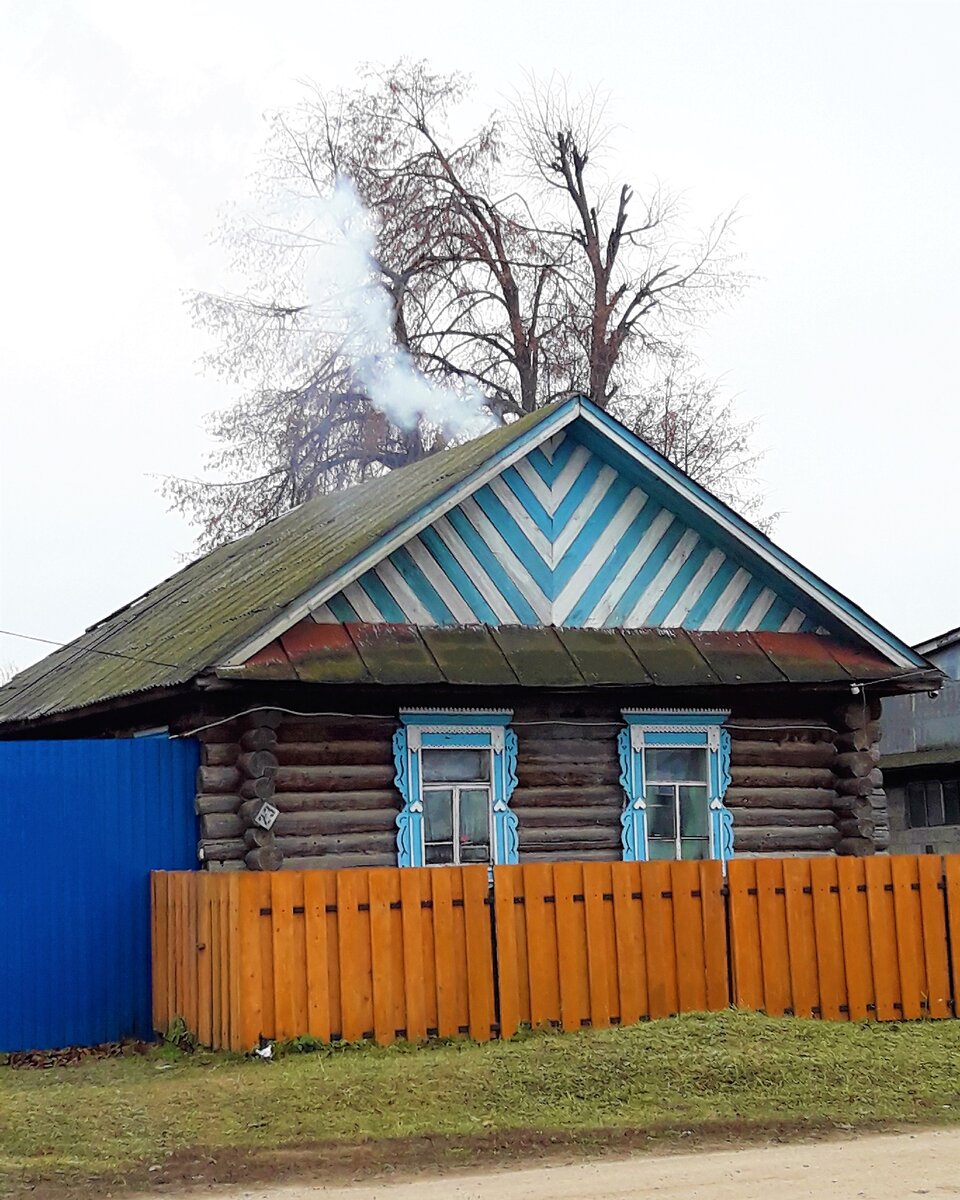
(512,263)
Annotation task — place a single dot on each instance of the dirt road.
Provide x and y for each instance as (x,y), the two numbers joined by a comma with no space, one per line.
(881,1167)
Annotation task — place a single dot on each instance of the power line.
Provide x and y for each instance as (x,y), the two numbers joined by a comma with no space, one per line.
(29,637)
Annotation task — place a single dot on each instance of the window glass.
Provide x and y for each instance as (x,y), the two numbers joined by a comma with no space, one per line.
(678,815)
(660,851)
(439,854)
(916,805)
(455,766)
(661,812)
(951,802)
(474,815)
(438,815)
(934,797)
(694,814)
(676,764)
(694,848)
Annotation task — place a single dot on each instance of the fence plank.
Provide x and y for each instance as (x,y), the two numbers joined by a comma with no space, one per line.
(655,886)
(906,904)
(601,974)
(688,936)
(631,955)
(745,935)
(316,950)
(387,988)
(883,937)
(204,974)
(448,1010)
(232,890)
(542,946)
(505,881)
(158,951)
(775,962)
(858,1001)
(356,970)
(714,923)
(951,872)
(251,974)
(260,886)
(827,926)
(282,900)
(479,945)
(801,937)
(412,922)
(933,916)
(570,968)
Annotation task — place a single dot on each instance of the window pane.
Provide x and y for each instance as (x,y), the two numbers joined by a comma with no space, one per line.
(951,802)
(436,855)
(661,812)
(694,818)
(455,766)
(660,851)
(916,806)
(478,853)
(438,815)
(474,815)
(694,848)
(934,802)
(670,766)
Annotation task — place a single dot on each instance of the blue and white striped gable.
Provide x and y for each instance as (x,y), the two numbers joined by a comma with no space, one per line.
(563,537)
(575,521)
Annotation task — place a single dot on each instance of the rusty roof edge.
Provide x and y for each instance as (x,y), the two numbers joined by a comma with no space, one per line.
(780,671)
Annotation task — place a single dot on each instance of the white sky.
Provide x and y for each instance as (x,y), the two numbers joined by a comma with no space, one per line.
(128,125)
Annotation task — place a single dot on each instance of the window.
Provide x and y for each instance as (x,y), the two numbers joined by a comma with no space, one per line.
(456,772)
(675,769)
(933,802)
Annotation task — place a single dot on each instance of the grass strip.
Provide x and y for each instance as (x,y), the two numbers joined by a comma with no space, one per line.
(205,1117)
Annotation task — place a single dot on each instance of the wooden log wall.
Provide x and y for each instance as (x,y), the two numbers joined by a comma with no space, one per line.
(800,784)
(861,801)
(568,797)
(330,778)
(782,785)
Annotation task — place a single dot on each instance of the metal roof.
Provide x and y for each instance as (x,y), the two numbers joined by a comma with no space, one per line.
(197,616)
(239,597)
(510,655)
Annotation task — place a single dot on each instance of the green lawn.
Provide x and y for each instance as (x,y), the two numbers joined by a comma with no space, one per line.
(215,1117)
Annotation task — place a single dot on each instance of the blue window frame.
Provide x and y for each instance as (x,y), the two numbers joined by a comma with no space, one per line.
(675,770)
(456,771)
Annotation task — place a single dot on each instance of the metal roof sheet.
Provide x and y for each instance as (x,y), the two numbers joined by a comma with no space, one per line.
(491,656)
(197,616)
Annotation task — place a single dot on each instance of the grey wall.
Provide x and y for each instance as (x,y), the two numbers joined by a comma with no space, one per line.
(944,839)
(919,723)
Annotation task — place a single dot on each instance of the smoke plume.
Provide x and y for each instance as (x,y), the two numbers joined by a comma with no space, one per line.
(344,292)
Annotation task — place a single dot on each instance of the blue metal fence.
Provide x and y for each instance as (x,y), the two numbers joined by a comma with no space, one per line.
(84,823)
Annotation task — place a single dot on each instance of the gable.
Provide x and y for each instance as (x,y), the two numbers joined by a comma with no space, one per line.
(563,537)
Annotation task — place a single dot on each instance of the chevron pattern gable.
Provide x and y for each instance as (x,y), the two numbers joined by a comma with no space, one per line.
(562,538)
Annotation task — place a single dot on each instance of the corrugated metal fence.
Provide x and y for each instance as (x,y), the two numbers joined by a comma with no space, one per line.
(85,821)
(431,952)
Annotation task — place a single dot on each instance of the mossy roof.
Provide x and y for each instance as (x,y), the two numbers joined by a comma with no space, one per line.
(198,616)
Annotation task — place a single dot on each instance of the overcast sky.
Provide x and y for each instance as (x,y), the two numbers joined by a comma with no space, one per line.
(128,126)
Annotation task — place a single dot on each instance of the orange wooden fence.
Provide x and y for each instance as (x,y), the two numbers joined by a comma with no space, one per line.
(846,938)
(608,943)
(436,952)
(351,954)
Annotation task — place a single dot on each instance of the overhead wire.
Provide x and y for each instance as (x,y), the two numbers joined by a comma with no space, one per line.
(30,637)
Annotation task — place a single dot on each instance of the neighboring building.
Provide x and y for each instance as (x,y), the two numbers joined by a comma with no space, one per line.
(547,643)
(921,758)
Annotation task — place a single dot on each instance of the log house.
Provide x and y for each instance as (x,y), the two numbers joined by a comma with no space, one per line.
(547,643)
